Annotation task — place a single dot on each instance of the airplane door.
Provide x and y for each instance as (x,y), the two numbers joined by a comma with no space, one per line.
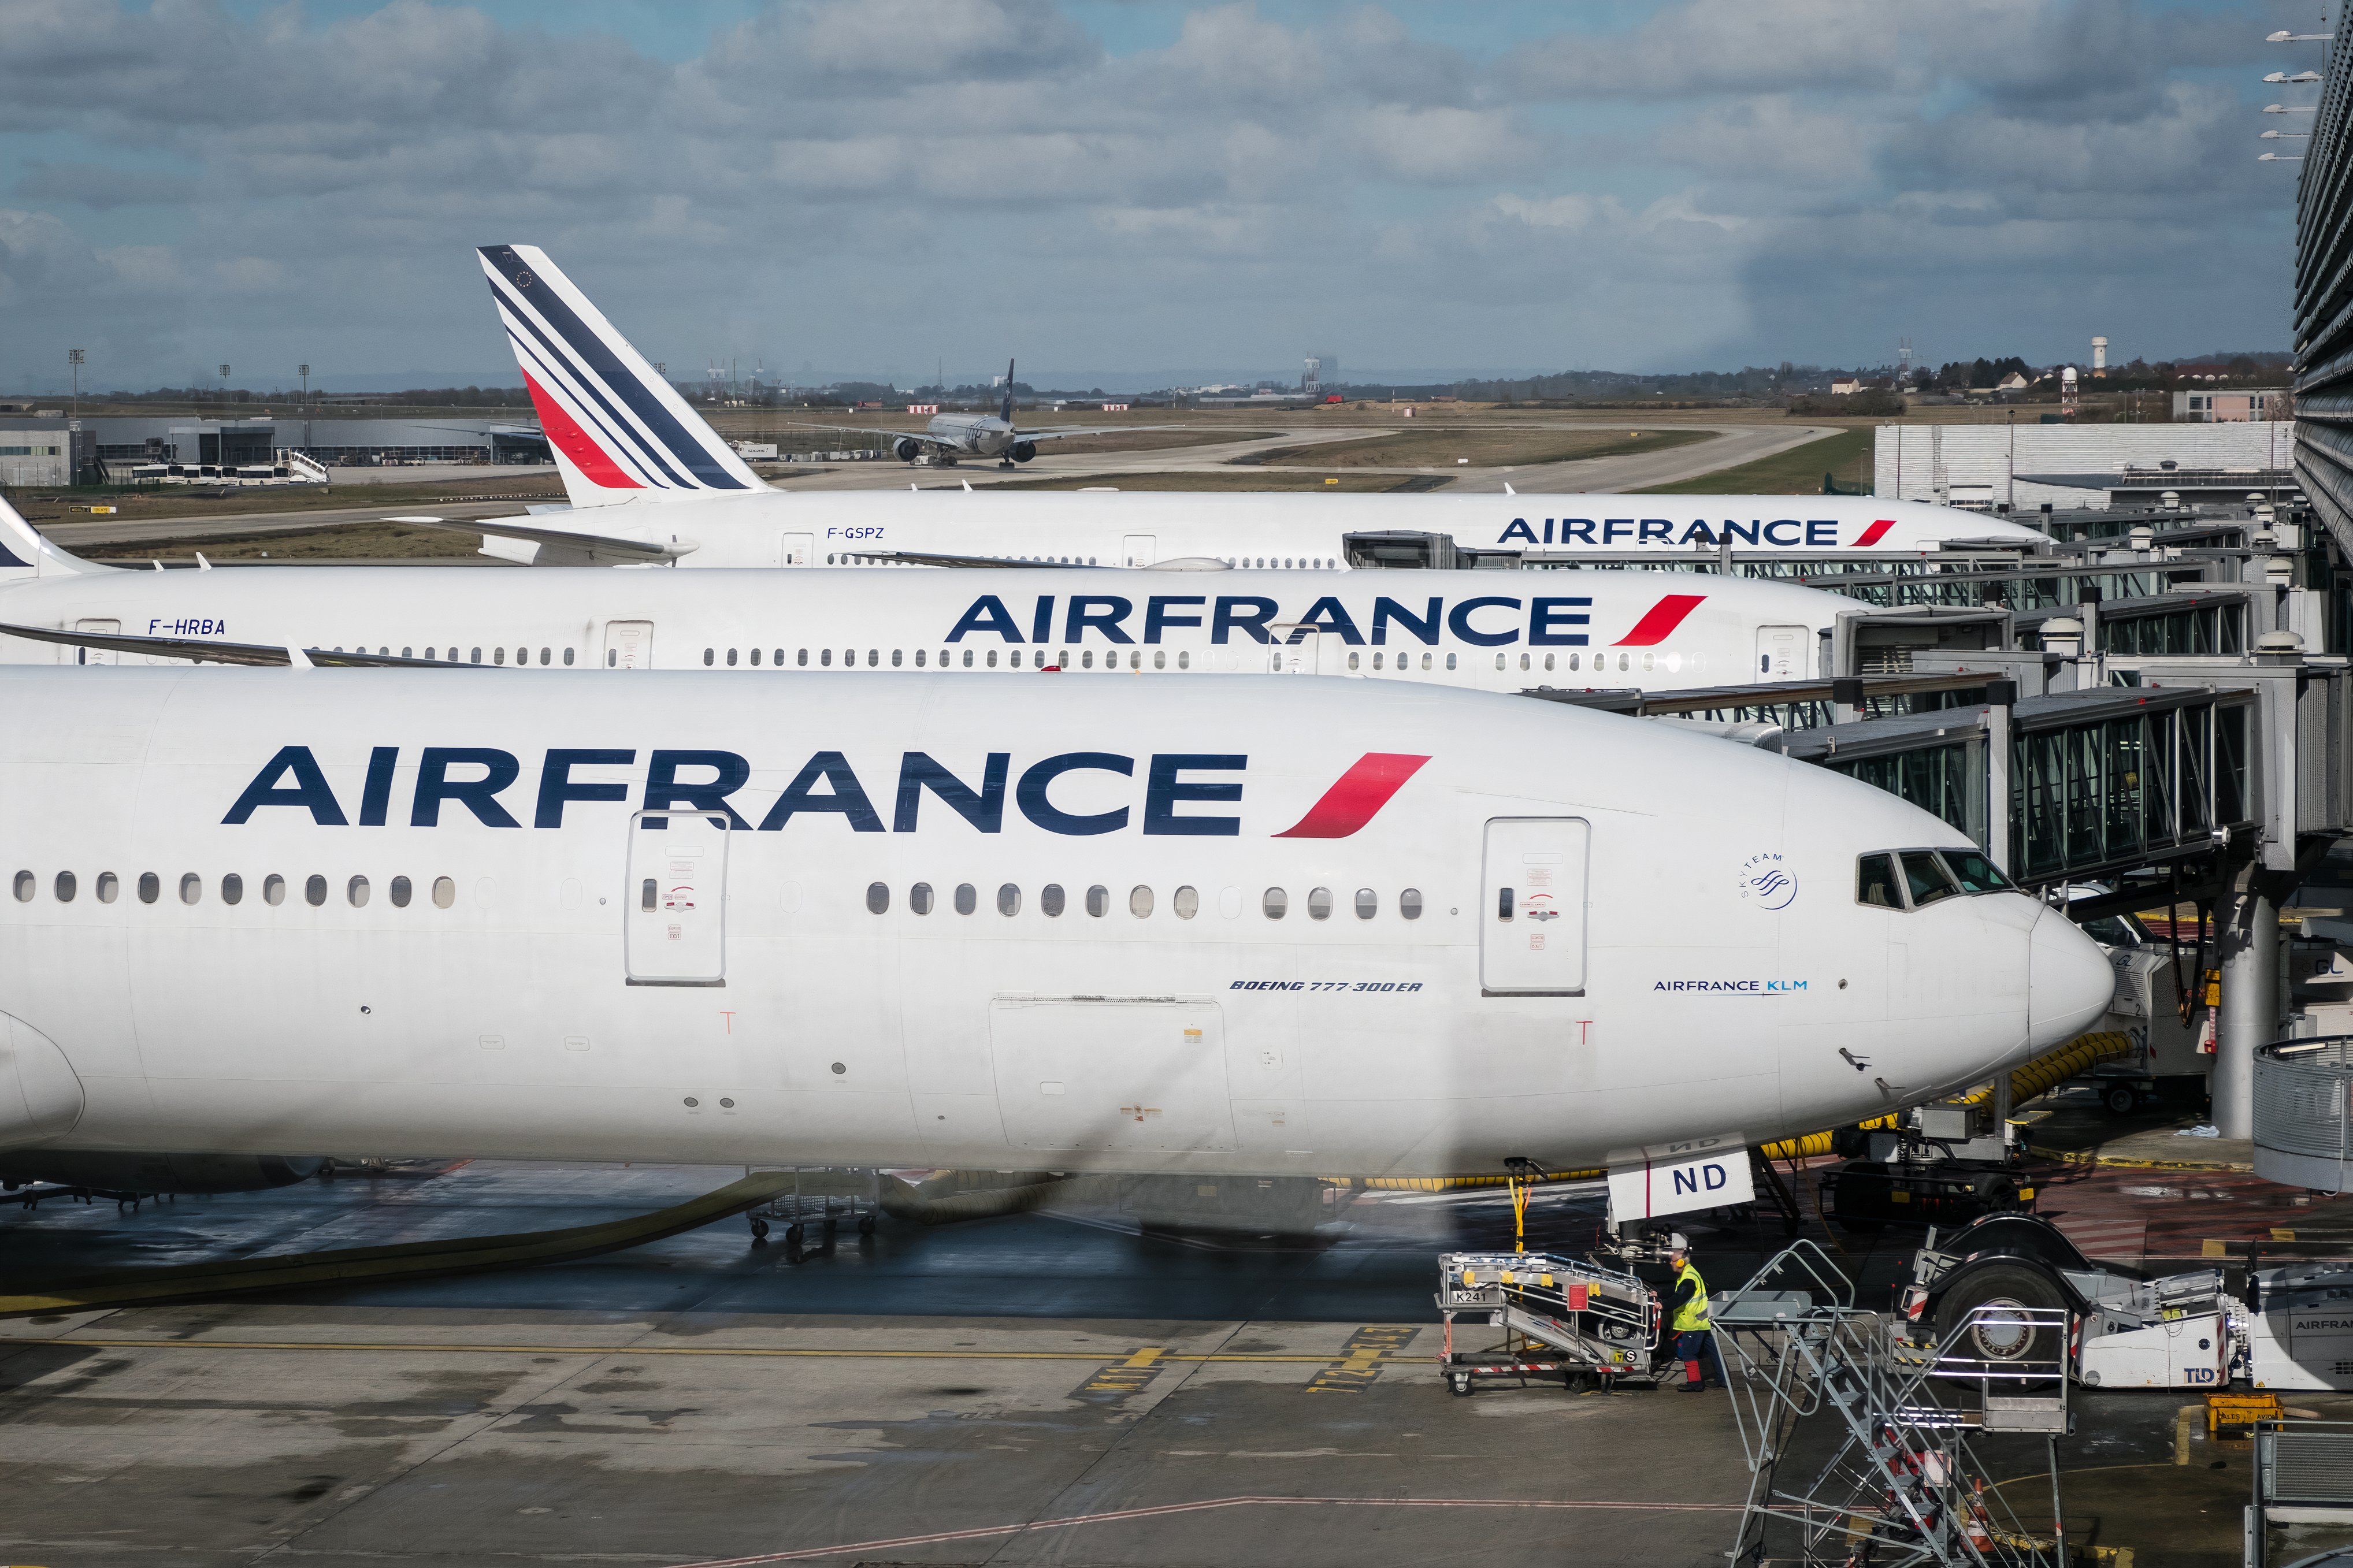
(1139,548)
(93,655)
(1781,653)
(1110,1073)
(1296,650)
(674,929)
(628,644)
(796,549)
(1532,914)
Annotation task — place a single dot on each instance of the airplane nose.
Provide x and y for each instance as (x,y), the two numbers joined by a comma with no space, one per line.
(2069,982)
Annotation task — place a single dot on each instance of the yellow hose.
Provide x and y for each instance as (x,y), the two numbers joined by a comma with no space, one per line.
(2040,1076)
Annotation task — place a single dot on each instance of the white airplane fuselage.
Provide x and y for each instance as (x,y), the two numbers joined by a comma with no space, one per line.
(831,528)
(1278,927)
(1493,630)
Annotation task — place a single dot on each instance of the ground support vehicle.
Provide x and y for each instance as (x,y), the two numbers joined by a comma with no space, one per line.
(1561,1317)
(2289,1326)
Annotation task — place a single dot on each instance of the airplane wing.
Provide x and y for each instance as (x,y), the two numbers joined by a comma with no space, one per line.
(1056,431)
(934,558)
(924,438)
(570,546)
(211,651)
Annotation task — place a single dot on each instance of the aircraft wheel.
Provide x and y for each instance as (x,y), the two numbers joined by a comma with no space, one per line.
(1990,1343)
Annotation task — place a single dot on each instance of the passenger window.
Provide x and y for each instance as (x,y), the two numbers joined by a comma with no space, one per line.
(232,889)
(568,657)
(966,898)
(66,886)
(708,657)
(543,656)
(1139,901)
(1087,658)
(1874,882)
(804,658)
(356,891)
(1926,878)
(1276,903)
(919,656)
(110,887)
(919,898)
(779,659)
(1186,903)
(314,890)
(150,887)
(192,889)
(1050,900)
(399,891)
(499,656)
(825,657)
(1498,661)
(874,657)
(1183,659)
(1352,660)
(1098,900)
(445,892)
(1449,662)
(878,897)
(1368,904)
(1159,658)
(1410,904)
(896,654)
(731,658)
(1974,871)
(26,883)
(1008,899)
(1319,904)
(273,889)
(478,657)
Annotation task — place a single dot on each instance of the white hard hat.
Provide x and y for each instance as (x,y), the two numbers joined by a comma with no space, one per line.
(1678,1242)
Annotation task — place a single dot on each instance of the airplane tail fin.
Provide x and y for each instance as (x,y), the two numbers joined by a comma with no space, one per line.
(1005,411)
(25,553)
(619,430)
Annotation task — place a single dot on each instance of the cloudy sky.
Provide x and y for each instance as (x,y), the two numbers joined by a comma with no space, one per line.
(1139,190)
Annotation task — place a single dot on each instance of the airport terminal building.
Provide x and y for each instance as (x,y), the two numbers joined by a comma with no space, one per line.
(181,440)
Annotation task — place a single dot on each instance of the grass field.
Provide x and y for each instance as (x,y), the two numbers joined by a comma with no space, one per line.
(1485,446)
(1797,471)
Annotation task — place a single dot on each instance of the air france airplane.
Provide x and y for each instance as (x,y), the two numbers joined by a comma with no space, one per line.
(1503,631)
(650,482)
(1278,928)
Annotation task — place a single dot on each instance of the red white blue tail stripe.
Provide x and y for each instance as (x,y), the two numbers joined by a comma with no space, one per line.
(619,430)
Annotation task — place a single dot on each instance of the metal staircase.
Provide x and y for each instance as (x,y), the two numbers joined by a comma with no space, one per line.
(1901,1485)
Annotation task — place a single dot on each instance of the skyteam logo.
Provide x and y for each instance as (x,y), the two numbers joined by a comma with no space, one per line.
(1075,795)
(1767,882)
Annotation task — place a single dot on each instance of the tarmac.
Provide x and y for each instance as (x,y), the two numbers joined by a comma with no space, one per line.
(1052,1388)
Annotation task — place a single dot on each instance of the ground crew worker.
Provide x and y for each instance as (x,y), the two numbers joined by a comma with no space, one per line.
(1694,1330)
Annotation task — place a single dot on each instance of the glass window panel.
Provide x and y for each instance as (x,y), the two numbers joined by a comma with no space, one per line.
(1409,903)
(878,897)
(150,887)
(400,891)
(445,892)
(110,887)
(967,898)
(1049,899)
(1187,902)
(1098,900)
(232,889)
(1368,904)
(1975,873)
(66,887)
(1874,882)
(919,898)
(1926,878)
(1319,903)
(1008,899)
(1139,901)
(1276,903)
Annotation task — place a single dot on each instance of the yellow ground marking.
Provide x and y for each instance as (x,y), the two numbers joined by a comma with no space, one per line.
(1124,1357)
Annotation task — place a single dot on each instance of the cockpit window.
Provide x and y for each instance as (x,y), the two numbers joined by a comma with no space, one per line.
(1926,878)
(1974,871)
(1874,883)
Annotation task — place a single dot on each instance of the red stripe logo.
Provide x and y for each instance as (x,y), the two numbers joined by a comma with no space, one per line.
(1660,621)
(576,443)
(1875,533)
(1357,797)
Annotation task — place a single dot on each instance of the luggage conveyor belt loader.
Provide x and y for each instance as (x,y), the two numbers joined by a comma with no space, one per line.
(1561,1318)
(2290,1328)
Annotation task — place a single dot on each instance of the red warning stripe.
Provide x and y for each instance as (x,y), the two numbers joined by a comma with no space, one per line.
(1356,797)
(1875,533)
(1660,621)
(576,443)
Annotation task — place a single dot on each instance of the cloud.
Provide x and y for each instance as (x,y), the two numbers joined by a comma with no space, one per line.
(864,183)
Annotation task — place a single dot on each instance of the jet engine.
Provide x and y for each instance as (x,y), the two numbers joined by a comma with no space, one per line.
(113,1173)
(906,450)
(1024,450)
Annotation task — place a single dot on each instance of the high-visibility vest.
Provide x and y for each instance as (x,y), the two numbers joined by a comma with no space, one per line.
(1690,1317)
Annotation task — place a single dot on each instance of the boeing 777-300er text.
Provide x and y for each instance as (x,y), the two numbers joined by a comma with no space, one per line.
(1225,925)
(1504,631)
(650,481)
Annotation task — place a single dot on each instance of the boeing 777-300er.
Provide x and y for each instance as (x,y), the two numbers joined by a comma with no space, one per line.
(650,481)
(953,435)
(1227,925)
(1504,631)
